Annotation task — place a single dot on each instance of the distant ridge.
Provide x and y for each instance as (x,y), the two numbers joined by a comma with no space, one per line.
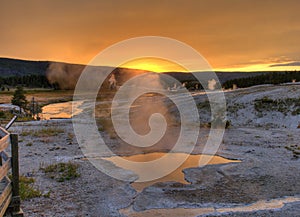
(17,67)
(66,74)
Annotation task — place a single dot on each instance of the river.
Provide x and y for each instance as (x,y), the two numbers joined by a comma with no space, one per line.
(61,110)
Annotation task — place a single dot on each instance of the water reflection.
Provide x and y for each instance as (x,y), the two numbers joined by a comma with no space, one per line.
(176,176)
(61,110)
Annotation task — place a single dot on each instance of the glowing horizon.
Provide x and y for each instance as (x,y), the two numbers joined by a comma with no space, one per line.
(154,65)
(160,66)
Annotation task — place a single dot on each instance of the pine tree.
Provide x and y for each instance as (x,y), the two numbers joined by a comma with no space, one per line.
(35,109)
(19,98)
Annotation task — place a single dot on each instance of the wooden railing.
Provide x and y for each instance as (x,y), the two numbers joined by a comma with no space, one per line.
(9,198)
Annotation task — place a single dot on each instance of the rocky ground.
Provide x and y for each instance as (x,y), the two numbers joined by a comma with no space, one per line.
(269,169)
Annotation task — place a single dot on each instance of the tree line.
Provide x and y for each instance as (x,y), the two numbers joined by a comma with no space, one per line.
(41,81)
(266,78)
(32,81)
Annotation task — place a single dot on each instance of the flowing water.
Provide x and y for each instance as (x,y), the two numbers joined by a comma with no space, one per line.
(192,212)
(61,110)
(64,109)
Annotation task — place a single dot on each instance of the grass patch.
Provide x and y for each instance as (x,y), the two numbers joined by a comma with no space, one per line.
(50,131)
(296,112)
(26,188)
(284,106)
(295,149)
(61,171)
(204,105)
(46,131)
(6,116)
(235,107)
(29,144)
(27,191)
(26,133)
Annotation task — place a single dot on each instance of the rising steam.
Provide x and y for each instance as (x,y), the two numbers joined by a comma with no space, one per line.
(64,75)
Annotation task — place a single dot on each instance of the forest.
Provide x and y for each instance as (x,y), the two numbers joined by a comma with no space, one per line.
(41,81)
(266,78)
(30,81)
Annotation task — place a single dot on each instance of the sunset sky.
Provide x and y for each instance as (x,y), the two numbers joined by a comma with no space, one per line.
(230,34)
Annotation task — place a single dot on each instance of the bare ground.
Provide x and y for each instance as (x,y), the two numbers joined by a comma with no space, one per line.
(269,169)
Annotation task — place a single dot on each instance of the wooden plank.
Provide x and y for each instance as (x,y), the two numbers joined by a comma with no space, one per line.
(5,139)
(7,190)
(5,205)
(4,142)
(4,156)
(3,132)
(5,168)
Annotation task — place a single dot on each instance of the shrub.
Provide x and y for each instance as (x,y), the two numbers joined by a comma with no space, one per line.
(26,189)
(62,171)
(46,131)
(29,144)
(284,106)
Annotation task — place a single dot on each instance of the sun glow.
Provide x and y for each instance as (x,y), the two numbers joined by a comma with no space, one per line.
(154,65)
(258,67)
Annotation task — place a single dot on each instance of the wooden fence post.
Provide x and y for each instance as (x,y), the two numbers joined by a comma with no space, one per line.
(16,201)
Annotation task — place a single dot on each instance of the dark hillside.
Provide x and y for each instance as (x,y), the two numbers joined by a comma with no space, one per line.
(64,75)
(15,67)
